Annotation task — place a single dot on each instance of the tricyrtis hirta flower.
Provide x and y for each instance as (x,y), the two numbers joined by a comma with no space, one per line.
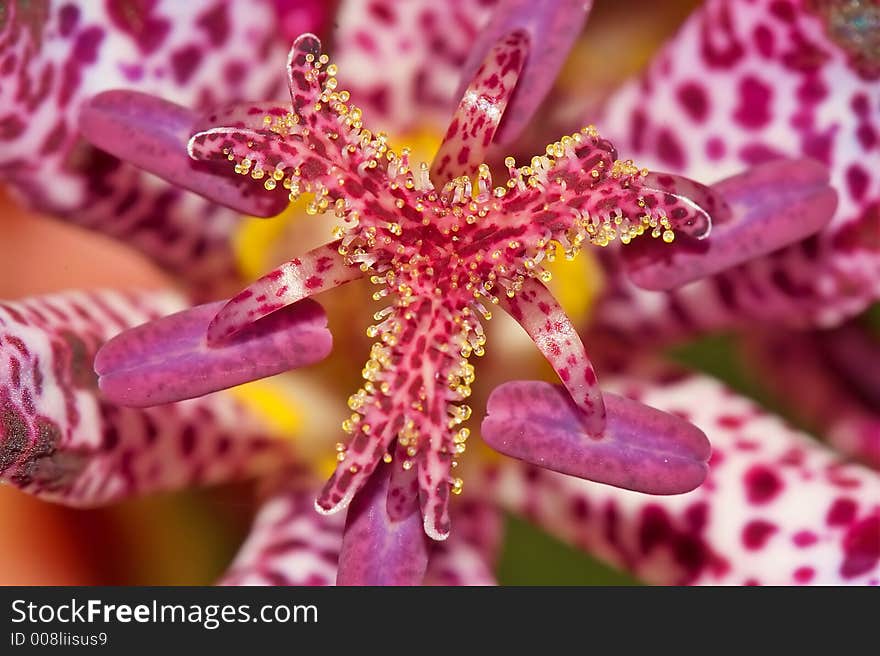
(443,249)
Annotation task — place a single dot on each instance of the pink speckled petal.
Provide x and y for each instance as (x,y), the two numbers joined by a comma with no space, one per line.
(62,441)
(734,89)
(553,333)
(289,543)
(405,59)
(552,26)
(169,359)
(316,271)
(152,134)
(641,448)
(770,206)
(481,109)
(777,507)
(57,56)
(378,550)
(469,556)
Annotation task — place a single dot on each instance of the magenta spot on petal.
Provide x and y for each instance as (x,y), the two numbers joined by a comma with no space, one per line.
(731,421)
(857,181)
(68,16)
(693,98)
(762,484)
(783,10)
(134,18)
(215,22)
(184,62)
(638,124)
(804,538)
(669,150)
(753,110)
(841,512)
(867,136)
(804,574)
(756,533)
(655,528)
(696,516)
(715,148)
(580,509)
(861,547)
(764,40)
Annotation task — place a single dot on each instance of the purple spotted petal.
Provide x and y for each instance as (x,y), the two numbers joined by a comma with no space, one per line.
(404,59)
(152,134)
(641,449)
(62,441)
(553,27)
(767,207)
(777,507)
(168,359)
(378,550)
(289,543)
(58,55)
(733,89)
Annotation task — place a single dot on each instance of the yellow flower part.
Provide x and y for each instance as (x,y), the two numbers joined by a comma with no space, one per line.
(269,400)
(575,284)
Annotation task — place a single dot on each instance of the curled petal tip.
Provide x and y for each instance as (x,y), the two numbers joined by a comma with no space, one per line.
(169,359)
(641,449)
(153,134)
(552,27)
(766,208)
(706,205)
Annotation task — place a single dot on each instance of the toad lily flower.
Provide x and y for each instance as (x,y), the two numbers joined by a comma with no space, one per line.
(443,243)
(443,249)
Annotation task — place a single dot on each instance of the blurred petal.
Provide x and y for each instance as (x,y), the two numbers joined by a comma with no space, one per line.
(318,270)
(169,359)
(61,440)
(404,59)
(640,448)
(743,83)
(798,370)
(552,27)
(298,16)
(855,354)
(770,206)
(468,557)
(481,109)
(64,54)
(776,509)
(553,333)
(289,543)
(152,134)
(379,550)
